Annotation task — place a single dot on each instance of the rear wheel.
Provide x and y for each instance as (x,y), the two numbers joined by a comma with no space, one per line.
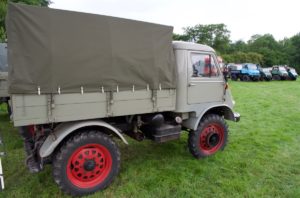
(210,137)
(246,78)
(86,163)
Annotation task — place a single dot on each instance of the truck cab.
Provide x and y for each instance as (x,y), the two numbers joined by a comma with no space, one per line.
(200,84)
(250,72)
(265,73)
(234,71)
(292,74)
(279,73)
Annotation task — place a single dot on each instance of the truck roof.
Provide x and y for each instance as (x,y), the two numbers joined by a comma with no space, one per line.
(108,52)
(191,46)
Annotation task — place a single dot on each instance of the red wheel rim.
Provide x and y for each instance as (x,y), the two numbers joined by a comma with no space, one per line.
(211,139)
(89,165)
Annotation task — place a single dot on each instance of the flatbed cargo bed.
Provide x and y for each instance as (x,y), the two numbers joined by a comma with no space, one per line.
(47,108)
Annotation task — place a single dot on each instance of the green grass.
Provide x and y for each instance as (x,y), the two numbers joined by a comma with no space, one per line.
(262,158)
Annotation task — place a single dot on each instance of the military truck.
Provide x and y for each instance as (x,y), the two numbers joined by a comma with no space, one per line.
(246,72)
(74,90)
(265,73)
(279,73)
(234,71)
(4,96)
(292,74)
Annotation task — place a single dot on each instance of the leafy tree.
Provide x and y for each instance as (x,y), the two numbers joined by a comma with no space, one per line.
(3,8)
(215,35)
(294,51)
(180,37)
(238,46)
(242,57)
(272,51)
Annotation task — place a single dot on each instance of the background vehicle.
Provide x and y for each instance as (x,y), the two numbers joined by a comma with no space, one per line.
(234,70)
(265,73)
(4,96)
(279,73)
(69,114)
(246,72)
(292,74)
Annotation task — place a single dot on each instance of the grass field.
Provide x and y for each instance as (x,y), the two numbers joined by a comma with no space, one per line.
(262,158)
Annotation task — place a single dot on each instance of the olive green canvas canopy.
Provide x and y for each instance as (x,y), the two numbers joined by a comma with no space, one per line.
(51,49)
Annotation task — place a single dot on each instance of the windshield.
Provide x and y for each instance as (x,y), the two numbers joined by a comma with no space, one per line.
(282,69)
(235,67)
(252,66)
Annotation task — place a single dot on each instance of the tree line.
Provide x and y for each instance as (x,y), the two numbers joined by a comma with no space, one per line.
(260,49)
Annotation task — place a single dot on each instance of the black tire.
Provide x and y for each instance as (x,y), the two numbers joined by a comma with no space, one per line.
(204,142)
(276,77)
(75,148)
(234,77)
(246,78)
(268,79)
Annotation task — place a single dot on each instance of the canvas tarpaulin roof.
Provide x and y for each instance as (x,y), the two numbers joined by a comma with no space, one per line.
(51,48)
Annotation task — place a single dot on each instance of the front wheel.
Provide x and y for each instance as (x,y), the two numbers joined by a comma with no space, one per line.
(86,163)
(210,137)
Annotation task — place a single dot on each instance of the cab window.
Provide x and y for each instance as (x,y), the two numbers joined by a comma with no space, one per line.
(203,65)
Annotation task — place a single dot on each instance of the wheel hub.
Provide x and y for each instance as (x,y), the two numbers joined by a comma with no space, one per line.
(212,139)
(89,165)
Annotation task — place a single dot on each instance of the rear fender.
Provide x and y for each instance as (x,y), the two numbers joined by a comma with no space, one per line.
(65,129)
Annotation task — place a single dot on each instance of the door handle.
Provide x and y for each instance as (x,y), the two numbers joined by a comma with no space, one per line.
(192,84)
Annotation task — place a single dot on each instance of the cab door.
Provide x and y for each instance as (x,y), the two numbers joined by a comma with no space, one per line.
(205,79)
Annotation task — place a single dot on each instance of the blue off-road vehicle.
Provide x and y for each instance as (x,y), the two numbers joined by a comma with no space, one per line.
(244,72)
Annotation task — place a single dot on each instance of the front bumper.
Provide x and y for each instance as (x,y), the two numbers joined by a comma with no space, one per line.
(237,116)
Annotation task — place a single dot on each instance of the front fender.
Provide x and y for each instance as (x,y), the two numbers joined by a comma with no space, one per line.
(223,110)
(64,129)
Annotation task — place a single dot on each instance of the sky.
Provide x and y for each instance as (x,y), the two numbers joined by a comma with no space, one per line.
(243,18)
